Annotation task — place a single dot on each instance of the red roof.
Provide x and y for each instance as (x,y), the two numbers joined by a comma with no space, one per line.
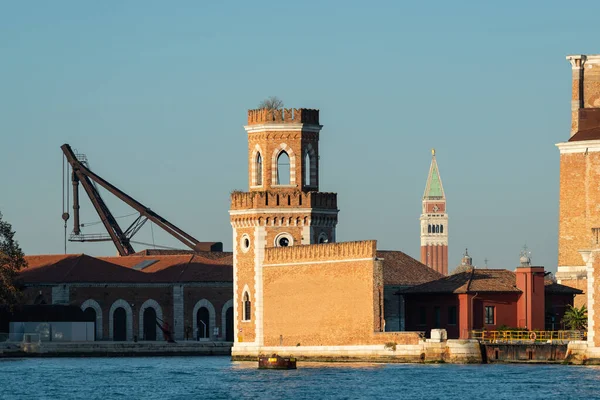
(400,269)
(476,280)
(75,268)
(131,269)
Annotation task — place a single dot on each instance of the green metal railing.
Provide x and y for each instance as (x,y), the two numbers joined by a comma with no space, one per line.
(517,337)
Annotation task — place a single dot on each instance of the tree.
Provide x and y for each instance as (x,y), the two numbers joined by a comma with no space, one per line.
(272,103)
(12,260)
(575,318)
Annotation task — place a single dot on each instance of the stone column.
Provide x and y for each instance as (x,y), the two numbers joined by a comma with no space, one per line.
(178,320)
(60,294)
(577,62)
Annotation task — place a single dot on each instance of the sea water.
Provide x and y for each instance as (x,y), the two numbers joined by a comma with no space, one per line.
(219,378)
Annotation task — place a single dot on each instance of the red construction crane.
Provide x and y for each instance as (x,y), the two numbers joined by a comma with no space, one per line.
(122,239)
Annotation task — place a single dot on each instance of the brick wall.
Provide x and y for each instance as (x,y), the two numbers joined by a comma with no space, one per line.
(579,205)
(321,295)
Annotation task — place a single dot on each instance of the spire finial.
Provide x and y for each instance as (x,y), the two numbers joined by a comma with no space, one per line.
(433,152)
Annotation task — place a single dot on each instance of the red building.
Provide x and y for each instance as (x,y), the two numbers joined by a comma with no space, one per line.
(487,299)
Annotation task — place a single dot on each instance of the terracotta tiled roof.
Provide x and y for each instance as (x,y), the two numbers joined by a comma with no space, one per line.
(483,280)
(75,268)
(471,281)
(131,269)
(400,269)
(557,288)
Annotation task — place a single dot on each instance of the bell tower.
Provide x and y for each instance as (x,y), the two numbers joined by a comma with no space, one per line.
(283,206)
(434,222)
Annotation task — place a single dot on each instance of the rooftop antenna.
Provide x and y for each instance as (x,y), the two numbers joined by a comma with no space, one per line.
(485,261)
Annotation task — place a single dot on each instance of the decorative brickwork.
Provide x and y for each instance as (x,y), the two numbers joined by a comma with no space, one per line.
(285,115)
(322,252)
(285,199)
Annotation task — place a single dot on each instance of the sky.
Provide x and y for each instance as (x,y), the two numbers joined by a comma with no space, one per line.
(155,94)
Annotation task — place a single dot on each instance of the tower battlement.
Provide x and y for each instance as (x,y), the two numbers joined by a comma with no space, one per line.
(283,116)
(288,199)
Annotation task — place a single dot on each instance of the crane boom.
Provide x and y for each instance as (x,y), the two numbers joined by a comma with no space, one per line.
(82,174)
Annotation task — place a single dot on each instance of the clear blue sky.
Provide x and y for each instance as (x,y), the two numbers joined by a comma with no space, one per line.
(156,93)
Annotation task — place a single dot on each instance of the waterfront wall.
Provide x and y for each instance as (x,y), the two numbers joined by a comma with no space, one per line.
(451,351)
(114,349)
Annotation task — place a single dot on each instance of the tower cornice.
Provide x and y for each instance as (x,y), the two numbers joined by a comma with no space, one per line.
(272,127)
(589,146)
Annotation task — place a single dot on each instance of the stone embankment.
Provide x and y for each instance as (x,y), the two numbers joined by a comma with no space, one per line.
(448,351)
(114,349)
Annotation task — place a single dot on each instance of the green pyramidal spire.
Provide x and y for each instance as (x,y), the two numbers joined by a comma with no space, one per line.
(434,188)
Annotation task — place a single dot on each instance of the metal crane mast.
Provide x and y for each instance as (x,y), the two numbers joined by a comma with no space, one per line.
(122,239)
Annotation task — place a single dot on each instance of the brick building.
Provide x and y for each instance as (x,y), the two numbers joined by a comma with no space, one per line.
(579,220)
(126,295)
(579,223)
(294,286)
(474,298)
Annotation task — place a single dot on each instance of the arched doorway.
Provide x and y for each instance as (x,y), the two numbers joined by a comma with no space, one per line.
(149,324)
(90,316)
(120,324)
(203,318)
(229,325)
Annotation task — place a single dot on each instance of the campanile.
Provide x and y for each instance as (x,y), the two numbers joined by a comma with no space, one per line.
(434,222)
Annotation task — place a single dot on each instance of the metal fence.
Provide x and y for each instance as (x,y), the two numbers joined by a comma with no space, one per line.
(517,337)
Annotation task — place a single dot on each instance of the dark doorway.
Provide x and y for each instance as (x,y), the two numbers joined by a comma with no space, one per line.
(149,324)
(229,324)
(120,324)
(203,323)
(90,316)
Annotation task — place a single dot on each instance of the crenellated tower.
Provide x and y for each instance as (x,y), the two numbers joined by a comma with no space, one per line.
(283,206)
(434,222)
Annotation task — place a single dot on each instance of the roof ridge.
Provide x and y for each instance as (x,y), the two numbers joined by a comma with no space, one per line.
(472,272)
(186,266)
(79,257)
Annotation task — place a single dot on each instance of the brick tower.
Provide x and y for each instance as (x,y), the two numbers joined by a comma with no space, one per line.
(579,219)
(434,222)
(283,206)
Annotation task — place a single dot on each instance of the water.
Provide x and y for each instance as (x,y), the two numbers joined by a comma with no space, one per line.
(219,378)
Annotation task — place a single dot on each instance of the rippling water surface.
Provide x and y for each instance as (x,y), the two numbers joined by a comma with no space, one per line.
(219,378)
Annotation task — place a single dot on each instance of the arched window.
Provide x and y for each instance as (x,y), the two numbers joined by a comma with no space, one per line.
(149,324)
(90,316)
(437,229)
(307,165)
(247,309)
(283,169)
(441,228)
(429,228)
(259,169)
(120,324)
(203,320)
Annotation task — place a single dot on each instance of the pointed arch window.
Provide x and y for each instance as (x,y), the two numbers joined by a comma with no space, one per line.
(283,168)
(441,228)
(247,307)
(429,228)
(307,169)
(259,170)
